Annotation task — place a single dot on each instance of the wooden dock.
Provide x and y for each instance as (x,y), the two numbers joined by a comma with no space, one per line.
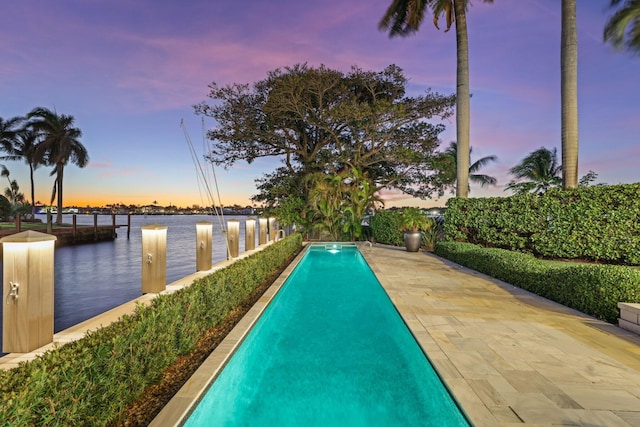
(75,234)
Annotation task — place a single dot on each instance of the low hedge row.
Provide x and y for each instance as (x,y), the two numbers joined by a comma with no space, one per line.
(593,289)
(92,380)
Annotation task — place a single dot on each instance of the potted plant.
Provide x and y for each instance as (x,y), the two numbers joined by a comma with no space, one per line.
(413,221)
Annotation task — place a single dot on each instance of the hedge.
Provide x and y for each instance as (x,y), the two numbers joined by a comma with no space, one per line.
(593,289)
(593,223)
(385,227)
(92,380)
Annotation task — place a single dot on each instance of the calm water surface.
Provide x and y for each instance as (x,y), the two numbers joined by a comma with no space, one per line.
(95,277)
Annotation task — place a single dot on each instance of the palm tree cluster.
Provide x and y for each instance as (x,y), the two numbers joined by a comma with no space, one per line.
(403,17)
(43,138)
(448,165)
(540,171)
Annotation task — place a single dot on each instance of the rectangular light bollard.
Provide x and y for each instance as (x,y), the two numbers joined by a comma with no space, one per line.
(28,280)
(204,250)
(272,229)
(154,258)
(249,234)
(233,237)
(262,238)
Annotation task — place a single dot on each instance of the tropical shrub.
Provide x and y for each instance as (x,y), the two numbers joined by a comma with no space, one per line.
(92,380)
(590,288)
(5,208)
(385,227)
(414,220)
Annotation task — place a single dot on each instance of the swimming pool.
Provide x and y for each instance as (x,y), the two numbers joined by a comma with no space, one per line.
(329,350)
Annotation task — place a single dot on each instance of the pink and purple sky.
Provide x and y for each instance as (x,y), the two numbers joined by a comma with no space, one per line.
(130,71)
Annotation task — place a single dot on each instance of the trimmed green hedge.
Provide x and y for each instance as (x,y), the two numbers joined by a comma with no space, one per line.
(593,223)
(92,380)
(590,288)
(386,226)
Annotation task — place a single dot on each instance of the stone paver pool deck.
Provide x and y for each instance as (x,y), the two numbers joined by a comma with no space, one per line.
(511,357)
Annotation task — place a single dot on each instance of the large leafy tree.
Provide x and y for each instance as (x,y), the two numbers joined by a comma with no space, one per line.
(60,144)
(536,173)
(403,17)
(569,92)
(449,166)
(623,27)
(323,121)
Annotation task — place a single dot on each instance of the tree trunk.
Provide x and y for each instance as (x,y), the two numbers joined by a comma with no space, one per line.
(569,90)
(59,175)
(33,193)
(462,101)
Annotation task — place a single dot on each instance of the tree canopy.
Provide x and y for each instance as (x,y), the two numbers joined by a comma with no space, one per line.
(322,121)
(327,120)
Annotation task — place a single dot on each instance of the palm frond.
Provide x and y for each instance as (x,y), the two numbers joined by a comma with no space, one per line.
(623,27)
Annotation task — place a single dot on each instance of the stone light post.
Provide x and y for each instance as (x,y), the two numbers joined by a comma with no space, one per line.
(27,295)
(154,258)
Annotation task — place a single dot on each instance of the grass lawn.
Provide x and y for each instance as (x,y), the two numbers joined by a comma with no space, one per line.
(24,225)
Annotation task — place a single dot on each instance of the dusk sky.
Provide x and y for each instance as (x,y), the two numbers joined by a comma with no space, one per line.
(129,71)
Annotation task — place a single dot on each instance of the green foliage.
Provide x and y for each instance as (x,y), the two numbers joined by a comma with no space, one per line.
(324,122)
(337,204)
(433,235)
(5,208)
(448,164)
(590,288)
(537,172)
(596,223)
(92,380)
(385,227)
(413,220)
(623,27)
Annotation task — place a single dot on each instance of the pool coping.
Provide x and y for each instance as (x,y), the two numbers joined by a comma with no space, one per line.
(182,403)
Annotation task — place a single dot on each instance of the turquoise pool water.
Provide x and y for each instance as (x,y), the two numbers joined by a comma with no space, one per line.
(330,350)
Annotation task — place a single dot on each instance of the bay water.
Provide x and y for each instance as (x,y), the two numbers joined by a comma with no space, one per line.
(92,278)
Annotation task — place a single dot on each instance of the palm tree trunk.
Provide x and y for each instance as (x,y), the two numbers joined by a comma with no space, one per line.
(462,100)
(59,174)
(569,90)
(33,193)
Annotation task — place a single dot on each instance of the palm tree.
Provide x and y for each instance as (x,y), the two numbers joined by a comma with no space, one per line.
(24,147)
(451,156)
(623,28)
(12,192)
(8,132)
(60,145)
(537,172)
(569,90)
(403,17)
